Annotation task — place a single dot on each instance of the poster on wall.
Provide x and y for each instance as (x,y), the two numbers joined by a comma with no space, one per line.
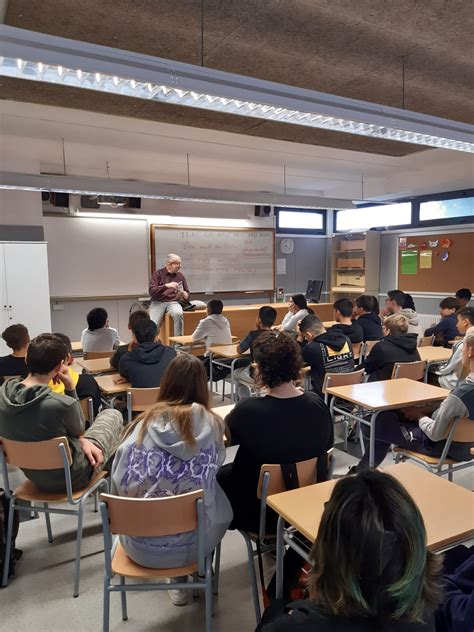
(409,261)
(426,259)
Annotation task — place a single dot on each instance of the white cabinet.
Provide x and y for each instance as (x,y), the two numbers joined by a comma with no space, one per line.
(24,288)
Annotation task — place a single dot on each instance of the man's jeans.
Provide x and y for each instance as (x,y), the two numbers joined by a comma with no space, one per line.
(174,309)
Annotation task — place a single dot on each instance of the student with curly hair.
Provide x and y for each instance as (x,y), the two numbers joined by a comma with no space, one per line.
(371,570)
(286,426)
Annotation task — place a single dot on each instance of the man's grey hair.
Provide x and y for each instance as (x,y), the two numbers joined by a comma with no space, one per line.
(171,257)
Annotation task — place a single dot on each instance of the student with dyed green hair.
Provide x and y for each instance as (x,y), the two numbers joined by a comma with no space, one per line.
(371,570)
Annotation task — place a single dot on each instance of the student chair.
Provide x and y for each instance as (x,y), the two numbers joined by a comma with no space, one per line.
(154,517)
(461,430)
(270,482)
(87,409)
(141,399)
(341,379)
(97,355)
(366,349)
(357,350)
(411,370)
(426,341)
(45,455)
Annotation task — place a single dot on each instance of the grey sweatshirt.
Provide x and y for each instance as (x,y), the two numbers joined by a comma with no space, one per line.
(448,374)
(214,330)
(414,325)
(290,320)
(164,465)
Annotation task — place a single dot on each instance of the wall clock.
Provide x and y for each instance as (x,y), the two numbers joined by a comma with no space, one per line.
(287,246)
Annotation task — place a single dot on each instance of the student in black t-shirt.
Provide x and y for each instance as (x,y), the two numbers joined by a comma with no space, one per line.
(371,569)
(343,309)
(367,312)
(244,376)
(286,426)
(18,339)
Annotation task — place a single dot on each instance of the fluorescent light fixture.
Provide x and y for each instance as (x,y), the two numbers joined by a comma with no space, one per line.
(84,185)
(45,58)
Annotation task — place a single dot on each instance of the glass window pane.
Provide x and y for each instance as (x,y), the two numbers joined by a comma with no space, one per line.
(300,219)
(447,209)
(374,216)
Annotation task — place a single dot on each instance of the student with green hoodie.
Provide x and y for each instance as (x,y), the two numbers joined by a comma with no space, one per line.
(30,411)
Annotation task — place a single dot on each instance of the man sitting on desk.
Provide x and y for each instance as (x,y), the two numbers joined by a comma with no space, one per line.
(423,430)
(167,287)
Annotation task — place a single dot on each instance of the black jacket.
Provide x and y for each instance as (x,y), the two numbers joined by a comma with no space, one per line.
(371,326)
(330,352)
(308,617)
(145,364)
(118,355)
(384,354)
(354,331)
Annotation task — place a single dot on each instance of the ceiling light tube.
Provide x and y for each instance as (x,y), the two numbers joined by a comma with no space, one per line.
(111,70)
(85,185)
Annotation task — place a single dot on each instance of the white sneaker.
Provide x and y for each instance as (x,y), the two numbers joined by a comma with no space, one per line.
(177,597)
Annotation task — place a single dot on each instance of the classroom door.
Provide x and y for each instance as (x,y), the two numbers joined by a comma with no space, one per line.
(27,286)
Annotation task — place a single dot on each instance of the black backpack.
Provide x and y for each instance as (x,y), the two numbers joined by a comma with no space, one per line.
(15,554)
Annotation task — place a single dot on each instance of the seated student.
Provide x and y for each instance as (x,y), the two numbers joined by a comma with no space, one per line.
(395,304)
(397,346)
(464,295)
(286,426)
(367,314)
(84,383)
(446,329)
(146,363)
(265,320)
(174,448)
(215,328)
(297,310)
(449,374)
(30,411)
(456,612)
(99,336)
(139,314)
(343,308)
(16,337)
(371,569)
(325,351)
(415,429)
(409,302)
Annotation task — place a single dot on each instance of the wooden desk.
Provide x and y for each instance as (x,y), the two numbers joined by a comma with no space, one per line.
(242,318)
(223,411)
(434,355)
(109,389)
(447,509)
(385,395)
(76,348)
(97,366)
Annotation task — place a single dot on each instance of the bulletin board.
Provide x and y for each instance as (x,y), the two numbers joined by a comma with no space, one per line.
(436,263)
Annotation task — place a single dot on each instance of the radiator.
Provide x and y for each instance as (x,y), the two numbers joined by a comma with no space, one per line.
(426,320)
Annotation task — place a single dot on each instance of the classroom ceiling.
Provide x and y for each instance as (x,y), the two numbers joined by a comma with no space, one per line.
(357,49)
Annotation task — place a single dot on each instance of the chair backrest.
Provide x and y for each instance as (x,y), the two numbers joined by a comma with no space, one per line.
(306,476)
(463,430)
(367,348)
(410,370)
(343,379)
(36,455)
(96,355)
(356,349)
(426,341)
(152,517)
(140,399)
(87,409)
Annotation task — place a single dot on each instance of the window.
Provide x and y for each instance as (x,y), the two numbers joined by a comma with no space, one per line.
(374,217)
(295,220)
(446,209)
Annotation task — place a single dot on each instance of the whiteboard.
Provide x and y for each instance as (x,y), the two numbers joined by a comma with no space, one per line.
(218,259)
(90,256)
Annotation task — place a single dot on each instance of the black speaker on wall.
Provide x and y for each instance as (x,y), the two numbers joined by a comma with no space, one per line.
(263,211)
(134,202)
(60,199)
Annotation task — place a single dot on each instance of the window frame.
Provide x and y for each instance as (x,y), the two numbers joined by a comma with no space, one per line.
(378,228)
(279,230)
(435,197)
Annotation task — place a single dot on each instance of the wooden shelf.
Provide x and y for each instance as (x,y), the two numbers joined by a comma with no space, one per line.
(350,269)
(347,252)
(350,289)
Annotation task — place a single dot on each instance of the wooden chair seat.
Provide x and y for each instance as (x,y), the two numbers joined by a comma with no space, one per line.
(123,565)
(431,460)
(29,491)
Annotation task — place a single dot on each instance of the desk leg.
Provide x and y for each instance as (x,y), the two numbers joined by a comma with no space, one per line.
(425,378)
(373,419)
(210,371)
(280,551)
(232,380)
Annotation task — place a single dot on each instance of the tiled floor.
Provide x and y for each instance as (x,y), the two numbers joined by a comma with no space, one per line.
(40,597)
